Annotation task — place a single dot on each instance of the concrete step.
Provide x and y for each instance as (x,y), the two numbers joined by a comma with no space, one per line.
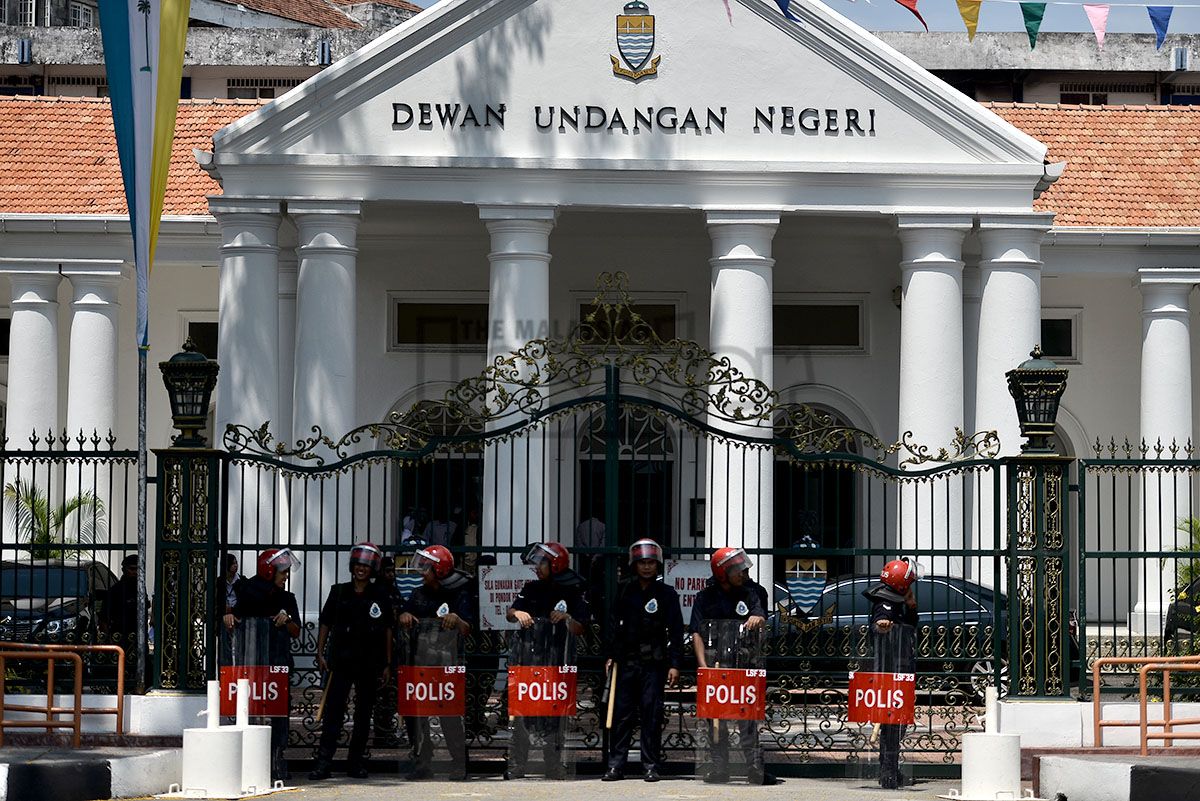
(86,774)
(1116,777)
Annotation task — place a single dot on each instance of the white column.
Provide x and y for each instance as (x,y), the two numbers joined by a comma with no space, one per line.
(741,481)
(325,381)
(288,276)
(971,298)
(1010,325)
(92,369)
(515,507)
(248,391)
(1166,417)
(931,378)
(1010,316)
(33,355)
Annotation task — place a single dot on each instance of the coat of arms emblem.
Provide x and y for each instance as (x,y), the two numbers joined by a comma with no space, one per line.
(635,42)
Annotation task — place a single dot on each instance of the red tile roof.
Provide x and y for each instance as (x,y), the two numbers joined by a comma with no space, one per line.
(1127,165)
(60,155)
(401,4)
(320,13)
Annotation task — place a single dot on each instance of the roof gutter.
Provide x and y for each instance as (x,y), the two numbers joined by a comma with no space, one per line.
(1051,172)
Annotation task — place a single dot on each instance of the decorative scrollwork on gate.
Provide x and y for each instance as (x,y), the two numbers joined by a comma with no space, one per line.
(524,386)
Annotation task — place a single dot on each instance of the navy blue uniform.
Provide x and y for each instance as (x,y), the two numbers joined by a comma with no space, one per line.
(894,653)
(359,624)
(538,598)
(257,597)
(738,603)
(645,641)
(454,592)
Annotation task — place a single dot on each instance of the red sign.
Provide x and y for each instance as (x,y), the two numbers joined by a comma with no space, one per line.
(731,694)
(883,698)
(541,692)
(432,692)
(268,690)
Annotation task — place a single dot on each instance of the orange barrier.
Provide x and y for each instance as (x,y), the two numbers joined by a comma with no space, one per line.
(50,653)
(1168,722)
(1149,662)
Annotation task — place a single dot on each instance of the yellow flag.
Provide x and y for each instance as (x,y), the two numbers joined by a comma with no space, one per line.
(969,9)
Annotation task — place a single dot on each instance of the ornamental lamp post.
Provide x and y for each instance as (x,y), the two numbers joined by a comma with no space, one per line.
(1037,387)
(190,378)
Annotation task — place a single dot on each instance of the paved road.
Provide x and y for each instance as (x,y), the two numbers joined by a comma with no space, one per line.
(592,789)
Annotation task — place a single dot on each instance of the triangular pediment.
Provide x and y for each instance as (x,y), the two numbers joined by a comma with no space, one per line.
(546,83)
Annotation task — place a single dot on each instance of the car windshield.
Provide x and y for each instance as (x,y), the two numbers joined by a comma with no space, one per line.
(42,582)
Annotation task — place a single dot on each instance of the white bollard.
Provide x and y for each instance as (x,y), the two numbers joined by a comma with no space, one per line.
(214,704)
(243,703)
(991,761)
(212,763)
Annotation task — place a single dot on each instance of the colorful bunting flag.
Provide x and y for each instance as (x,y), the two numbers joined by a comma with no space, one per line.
(1033,13)
(728,12)
(969,10)
(1160,18)
(1097,15)
(143,60)
(786,7)
(911,5)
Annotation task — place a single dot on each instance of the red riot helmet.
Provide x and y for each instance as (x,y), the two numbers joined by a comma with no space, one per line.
(272,560)
(729,560)
(436,558)
(366,553)
(553,552)
(645,549)
(900,574)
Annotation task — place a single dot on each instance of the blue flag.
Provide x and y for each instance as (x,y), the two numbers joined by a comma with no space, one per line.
(785,7)
(1160,18)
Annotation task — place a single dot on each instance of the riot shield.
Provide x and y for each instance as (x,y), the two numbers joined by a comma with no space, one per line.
(541,689)
(247,651)
(431,696)
(881,705)
(730,703)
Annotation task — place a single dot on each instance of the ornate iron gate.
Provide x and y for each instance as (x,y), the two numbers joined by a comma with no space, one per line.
(601,438)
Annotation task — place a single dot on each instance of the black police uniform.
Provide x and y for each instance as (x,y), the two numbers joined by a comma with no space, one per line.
(739,603)
(384,715)
(257,597)
(645,641)
(538,599)
(358,627)
(894,653)
(455,593)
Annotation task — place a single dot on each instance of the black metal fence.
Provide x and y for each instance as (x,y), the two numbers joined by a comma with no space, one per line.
(69,519)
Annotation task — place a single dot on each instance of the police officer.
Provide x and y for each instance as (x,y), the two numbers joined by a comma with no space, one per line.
(445,595)
(645,647)
(264,596)
(893,630)
(556,587)
(730,595)
(359,617)
(385,704)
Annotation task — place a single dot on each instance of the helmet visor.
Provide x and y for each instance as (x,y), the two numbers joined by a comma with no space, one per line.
(423,560)
(538,553)
(645,549)
(735,562)
(284,559)
(365,554)
(916,570)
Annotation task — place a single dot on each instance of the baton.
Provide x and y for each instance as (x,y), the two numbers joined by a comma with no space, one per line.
(612,695)
(716,721)
(324,695)
(875,733)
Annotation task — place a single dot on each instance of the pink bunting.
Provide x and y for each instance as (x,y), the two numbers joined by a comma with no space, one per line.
(1097,14)
(729,12)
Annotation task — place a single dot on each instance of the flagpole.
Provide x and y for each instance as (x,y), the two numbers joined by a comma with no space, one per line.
(143,564)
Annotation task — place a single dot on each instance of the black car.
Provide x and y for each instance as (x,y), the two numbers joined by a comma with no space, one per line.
(1182,614)
(961,625)
(52,600)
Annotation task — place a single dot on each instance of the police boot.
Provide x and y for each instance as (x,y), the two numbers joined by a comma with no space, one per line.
(320,770)
(279,765)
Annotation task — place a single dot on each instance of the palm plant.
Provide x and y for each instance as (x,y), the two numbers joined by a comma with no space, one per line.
(29,511)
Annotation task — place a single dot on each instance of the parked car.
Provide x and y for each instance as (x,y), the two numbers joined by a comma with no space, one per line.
(960,624)
(52,600)
(1181,619)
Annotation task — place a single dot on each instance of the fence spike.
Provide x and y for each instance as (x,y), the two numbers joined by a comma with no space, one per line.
(1188,449)
(1174,449)
(1158,448)
(1128,449)
(1112,448)
(81,439)
(1097,447)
